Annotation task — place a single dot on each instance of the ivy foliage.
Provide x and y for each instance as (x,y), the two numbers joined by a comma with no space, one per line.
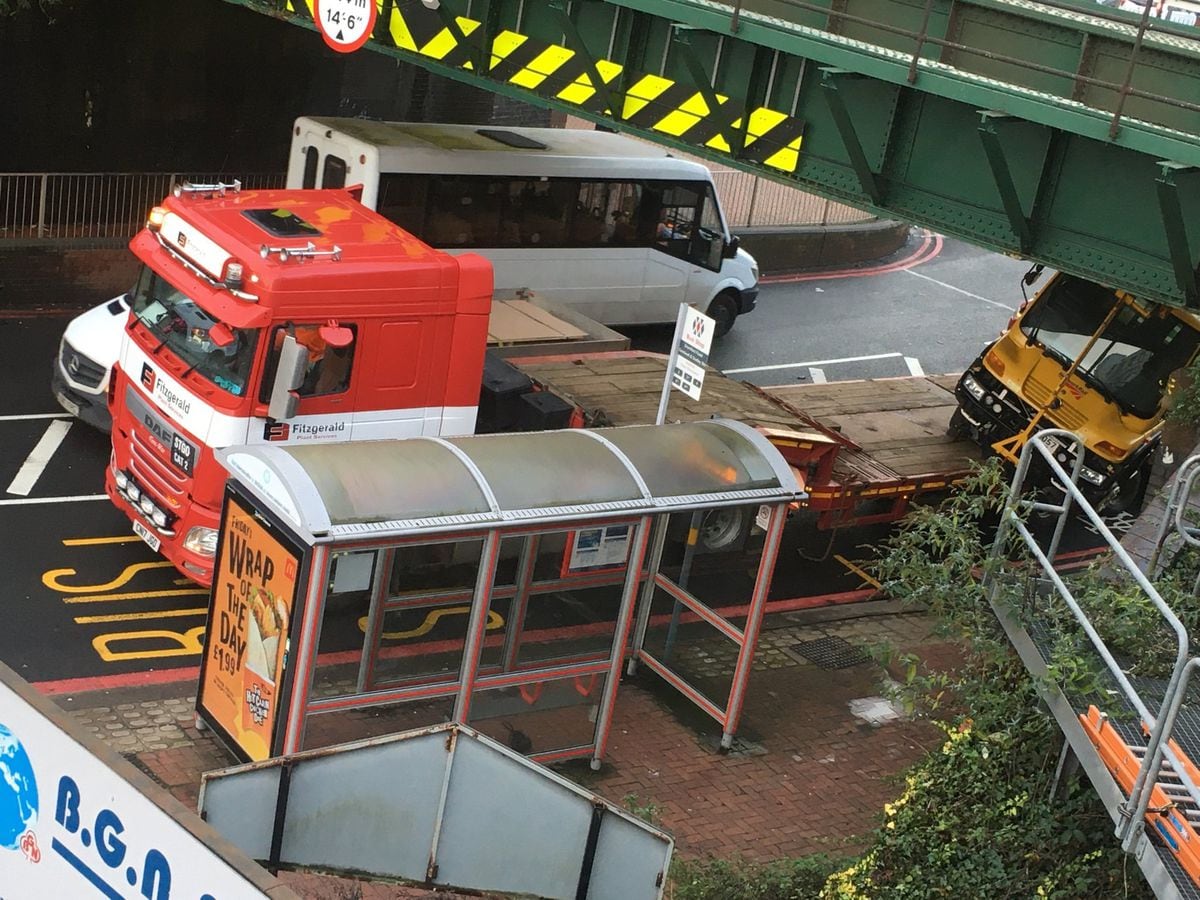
(981,817)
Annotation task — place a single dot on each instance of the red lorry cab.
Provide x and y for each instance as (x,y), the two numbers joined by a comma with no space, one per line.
(288,316)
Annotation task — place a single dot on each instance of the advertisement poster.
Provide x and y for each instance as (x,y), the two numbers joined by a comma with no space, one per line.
(245,649)
(597,548)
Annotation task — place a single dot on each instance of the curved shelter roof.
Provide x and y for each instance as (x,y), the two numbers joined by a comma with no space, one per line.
(339,491)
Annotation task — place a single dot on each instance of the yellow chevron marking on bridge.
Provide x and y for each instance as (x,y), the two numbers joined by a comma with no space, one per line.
(551,57)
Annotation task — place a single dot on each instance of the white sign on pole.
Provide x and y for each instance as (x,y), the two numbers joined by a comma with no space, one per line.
(694,341)
(345,24)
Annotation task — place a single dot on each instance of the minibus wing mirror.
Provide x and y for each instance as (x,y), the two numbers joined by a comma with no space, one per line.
(289,375)
(731,247)
(716,249)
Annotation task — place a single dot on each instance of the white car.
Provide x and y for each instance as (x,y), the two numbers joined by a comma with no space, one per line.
(86,354)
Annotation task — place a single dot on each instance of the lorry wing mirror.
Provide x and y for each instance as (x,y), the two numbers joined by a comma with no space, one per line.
(289,375)
(335,335)
(731,247)
(220,334)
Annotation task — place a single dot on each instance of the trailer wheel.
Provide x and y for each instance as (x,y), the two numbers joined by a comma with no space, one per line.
(723,310)
(721,529)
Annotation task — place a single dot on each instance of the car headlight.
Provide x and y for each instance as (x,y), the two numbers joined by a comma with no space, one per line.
(201,540)
(1091,475)
(973,387)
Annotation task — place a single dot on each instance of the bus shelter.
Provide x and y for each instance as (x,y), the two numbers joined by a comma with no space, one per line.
(367,588)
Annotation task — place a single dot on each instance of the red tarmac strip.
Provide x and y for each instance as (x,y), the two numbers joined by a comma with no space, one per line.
(930,247)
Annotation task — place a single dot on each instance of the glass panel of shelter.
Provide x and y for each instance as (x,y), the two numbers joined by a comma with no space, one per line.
(553,606)
(699,601)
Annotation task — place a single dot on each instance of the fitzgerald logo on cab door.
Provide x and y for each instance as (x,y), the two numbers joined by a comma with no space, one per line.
(276,431)
(147,377)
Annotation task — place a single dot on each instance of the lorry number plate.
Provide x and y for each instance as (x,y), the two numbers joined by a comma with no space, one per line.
(147,535)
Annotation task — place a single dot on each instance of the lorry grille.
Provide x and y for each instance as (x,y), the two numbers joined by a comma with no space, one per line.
(79,368)
(152,472)
(1065,415)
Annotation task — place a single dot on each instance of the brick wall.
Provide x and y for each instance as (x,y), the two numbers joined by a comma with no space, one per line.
(34,277)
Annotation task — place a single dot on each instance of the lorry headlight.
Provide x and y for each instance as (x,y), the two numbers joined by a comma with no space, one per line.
(201,540)
(133,492)
(973,387)
(159,518)
(121,479)
(147,505)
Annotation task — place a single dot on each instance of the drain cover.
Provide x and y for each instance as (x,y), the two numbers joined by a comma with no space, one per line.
(830,653)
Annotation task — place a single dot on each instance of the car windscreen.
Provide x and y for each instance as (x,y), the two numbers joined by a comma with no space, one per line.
(1132,358)
(178,323)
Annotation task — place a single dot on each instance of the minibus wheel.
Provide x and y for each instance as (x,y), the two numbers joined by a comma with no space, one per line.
(723,310)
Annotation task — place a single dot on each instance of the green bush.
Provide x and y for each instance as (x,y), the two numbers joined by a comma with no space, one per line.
(717,879)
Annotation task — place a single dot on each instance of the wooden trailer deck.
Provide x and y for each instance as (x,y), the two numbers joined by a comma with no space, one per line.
(900,422)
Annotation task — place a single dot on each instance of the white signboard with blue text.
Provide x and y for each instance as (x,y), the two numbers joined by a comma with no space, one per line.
(694,344)
(73,827)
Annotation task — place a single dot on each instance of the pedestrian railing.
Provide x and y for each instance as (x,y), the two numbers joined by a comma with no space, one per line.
(98,205)
(113,205)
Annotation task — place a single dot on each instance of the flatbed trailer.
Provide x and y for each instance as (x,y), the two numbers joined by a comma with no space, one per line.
(865,449)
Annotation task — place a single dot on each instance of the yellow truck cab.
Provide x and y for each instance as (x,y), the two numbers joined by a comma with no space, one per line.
(1089,359)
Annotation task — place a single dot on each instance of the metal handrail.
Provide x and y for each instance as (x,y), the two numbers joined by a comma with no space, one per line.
(1162,725)
(922,37)
(1172,520)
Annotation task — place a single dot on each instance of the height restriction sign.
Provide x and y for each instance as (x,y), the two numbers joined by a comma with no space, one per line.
(345,24)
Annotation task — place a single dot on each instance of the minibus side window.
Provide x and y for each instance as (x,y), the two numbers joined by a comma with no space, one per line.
(310,167)
(334,175)
(403,199)
(678,221)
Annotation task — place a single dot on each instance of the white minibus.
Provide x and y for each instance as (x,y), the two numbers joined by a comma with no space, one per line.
(616,228)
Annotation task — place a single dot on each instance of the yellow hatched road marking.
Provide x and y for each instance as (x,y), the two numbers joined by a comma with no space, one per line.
(51,578)
(91,542)
(138,595)
(865,576)
(131,617)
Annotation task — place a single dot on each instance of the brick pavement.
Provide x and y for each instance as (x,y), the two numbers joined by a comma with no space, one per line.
(806,775)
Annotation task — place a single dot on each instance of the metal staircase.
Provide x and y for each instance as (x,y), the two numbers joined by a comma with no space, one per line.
(1135,737)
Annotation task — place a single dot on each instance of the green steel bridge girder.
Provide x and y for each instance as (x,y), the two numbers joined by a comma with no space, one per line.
(1068,135)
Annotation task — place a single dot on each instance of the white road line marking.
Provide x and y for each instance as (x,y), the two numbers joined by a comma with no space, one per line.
(914,367)
(817,376)
(959,290)
(35,464)
(812,362)
(61,415)
(30,500)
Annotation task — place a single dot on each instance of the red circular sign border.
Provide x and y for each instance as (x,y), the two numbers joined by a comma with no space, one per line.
(346,48)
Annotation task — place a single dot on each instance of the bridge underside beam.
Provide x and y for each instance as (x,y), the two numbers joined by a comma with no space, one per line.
(876,103)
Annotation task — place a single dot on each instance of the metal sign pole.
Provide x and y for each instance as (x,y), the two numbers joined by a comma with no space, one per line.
(666,391)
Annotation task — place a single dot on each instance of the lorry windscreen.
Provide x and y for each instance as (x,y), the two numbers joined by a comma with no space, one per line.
(178,323)
(1131,360)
